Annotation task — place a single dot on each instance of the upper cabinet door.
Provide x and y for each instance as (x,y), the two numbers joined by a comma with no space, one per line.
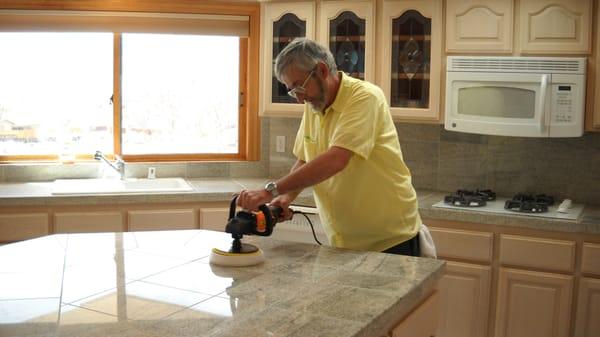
(482,26)
(410,58)
(347,28)
(281,23)
(555,27)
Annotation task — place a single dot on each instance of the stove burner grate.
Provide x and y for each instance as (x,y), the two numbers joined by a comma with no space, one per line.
(487,195)
(528,203)
(539,198)
(467,198)
(526,206)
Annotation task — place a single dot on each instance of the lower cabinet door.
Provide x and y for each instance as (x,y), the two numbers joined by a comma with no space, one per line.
(214,218)
(587,322)
(168,219)
(533,304)
(422,322)
(88,222)
(15,227)
(465,300)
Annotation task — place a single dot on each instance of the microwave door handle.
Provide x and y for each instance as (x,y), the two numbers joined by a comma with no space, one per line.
(542,104)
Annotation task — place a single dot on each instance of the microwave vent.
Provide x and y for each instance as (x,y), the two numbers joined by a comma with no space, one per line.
(555,65)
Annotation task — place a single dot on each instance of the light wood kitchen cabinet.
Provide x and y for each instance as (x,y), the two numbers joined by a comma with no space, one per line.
(422,322)
(533,304)
(530,302)
(537,253)
(88,222)
(590,259)
(21,226)
(479,26)
(348,29)
(21,223)
(410,58)
(592,118)
(587,323)
(465,288)
(281,23)
(463,244)
(168,219)
(214,218)
(555,27)
(504,281)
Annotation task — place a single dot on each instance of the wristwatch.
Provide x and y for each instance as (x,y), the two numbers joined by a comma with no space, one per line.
(271,187)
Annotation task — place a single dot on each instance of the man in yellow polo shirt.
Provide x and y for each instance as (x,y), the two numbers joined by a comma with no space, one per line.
(347,148)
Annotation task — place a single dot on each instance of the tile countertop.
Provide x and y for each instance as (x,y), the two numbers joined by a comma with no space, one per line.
(161,284)
(222,189)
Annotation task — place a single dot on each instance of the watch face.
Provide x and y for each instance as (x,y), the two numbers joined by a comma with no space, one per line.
(271,188)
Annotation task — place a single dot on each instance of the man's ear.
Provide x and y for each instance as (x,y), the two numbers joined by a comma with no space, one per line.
(322,70)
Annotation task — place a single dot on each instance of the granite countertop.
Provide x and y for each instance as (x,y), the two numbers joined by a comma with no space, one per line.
(161,284)
(222,189)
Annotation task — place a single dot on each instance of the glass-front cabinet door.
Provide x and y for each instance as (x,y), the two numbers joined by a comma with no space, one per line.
(347,28)
(281,23)
(411,59)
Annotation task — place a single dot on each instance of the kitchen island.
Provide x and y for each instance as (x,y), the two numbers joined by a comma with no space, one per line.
(160,284)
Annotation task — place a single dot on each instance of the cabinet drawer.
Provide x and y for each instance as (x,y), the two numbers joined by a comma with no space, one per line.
(88,222)
(149,220)
(462,244)
(214,218)
(590,260)
(548,254)
(15,227)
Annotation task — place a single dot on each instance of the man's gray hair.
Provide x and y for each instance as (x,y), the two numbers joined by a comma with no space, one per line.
(304,54)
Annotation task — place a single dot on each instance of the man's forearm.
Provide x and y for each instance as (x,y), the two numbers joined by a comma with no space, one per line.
(321,168)
(292,195)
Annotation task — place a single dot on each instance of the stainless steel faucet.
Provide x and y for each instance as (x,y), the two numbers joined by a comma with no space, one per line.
(118,165)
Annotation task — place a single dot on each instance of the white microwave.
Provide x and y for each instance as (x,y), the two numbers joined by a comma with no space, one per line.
(515,96)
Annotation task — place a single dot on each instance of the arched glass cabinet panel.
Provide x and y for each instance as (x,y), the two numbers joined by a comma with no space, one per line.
(347,34)
(411,60)
(286,29)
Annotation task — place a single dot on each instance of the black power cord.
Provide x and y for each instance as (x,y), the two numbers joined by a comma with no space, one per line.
(311,225)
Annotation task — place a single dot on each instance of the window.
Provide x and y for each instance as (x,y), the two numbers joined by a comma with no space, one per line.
(55,93)
(179,94)
(146,86)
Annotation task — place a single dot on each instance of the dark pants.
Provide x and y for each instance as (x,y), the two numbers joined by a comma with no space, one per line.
(410,247)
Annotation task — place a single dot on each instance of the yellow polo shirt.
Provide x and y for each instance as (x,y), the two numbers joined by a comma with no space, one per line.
(371,204)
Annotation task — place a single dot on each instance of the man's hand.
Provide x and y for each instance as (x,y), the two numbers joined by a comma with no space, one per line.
(283,201)
(250,200)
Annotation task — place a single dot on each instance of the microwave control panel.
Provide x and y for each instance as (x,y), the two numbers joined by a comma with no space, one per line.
(562,103)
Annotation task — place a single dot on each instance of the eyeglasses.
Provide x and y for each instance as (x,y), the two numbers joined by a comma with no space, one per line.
(300,89)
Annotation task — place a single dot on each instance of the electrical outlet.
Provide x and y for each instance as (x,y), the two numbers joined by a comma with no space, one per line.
(151,172)
(280,144)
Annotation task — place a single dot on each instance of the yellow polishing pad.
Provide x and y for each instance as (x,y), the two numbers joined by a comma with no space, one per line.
(229,259)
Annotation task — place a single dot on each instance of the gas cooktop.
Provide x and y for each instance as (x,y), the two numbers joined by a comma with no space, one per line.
(539,205)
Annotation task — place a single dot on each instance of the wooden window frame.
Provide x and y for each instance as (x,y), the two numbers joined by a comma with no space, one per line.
(249,122)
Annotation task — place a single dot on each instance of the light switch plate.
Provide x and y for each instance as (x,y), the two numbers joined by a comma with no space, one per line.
(280,144)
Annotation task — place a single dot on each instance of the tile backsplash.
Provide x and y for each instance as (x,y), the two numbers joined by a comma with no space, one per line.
(445,161)
(438,159)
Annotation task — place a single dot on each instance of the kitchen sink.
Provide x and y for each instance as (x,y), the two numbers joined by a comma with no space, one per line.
(118,186)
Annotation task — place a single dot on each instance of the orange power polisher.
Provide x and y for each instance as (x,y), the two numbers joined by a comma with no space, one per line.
(245,223)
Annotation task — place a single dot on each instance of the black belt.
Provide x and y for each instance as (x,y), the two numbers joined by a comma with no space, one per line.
(409,247)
